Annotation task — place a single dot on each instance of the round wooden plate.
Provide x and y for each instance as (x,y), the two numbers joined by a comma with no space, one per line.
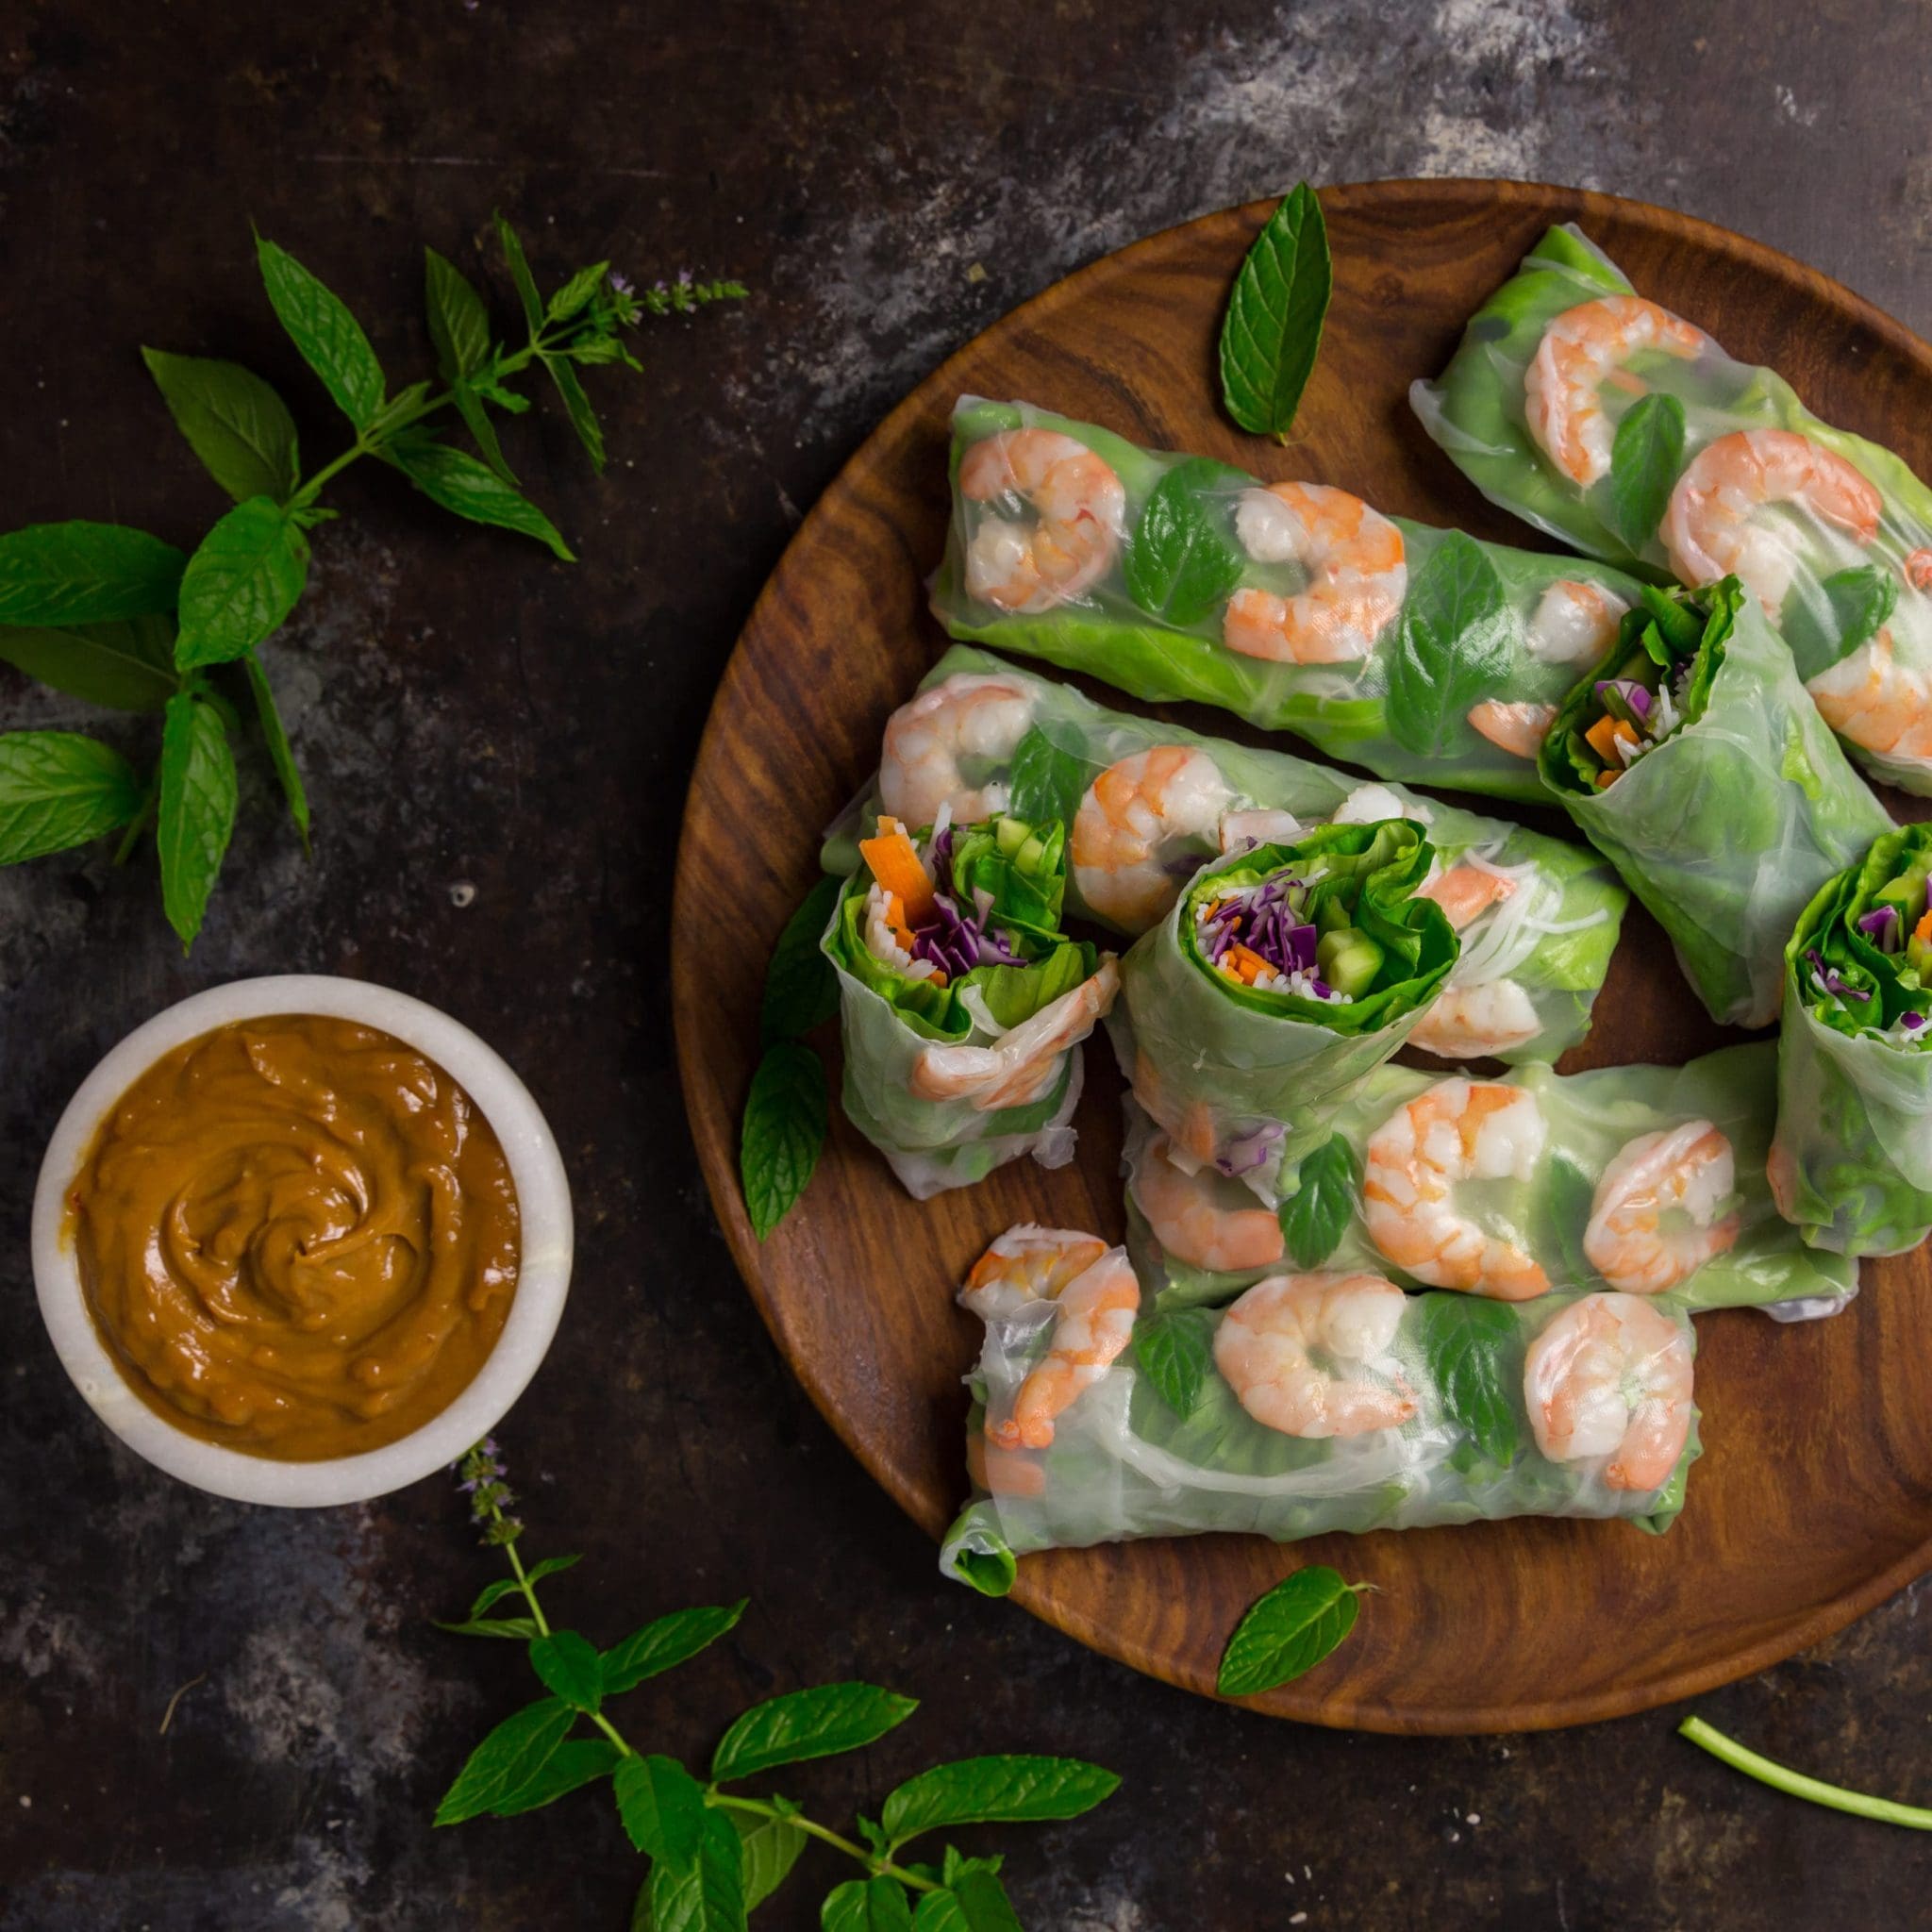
(1813,1500)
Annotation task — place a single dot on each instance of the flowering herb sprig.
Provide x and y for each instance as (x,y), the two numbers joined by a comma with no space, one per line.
(120,618)
(716,1852)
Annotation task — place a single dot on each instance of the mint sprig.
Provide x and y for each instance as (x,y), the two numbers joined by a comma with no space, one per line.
(1272,328)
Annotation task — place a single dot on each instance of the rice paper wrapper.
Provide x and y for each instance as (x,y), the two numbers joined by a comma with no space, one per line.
(1467,631)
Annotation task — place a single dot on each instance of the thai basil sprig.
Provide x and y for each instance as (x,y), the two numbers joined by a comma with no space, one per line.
(716,1852)
(122,619)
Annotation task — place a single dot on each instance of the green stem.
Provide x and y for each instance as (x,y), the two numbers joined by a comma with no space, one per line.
(1815,1791)
(884,1867)
(137,825)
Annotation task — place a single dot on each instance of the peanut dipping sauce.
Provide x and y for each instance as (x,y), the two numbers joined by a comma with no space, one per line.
(297,1237)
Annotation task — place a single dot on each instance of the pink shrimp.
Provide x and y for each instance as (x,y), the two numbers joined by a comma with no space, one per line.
(1191,1219)
(1356,575)
(1268,1344)
(1094,1323)
(1081,507)
(1517,728)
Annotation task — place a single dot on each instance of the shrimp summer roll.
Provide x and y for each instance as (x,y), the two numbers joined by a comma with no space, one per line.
(1538,916)
(1417,652)
(1282,975)
(1621,428)
(1320,1400)
(1649,1180)
(1852,1161)
(962,1003)
(1694,762)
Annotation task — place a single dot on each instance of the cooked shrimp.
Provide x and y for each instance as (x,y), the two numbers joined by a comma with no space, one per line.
(1876,701)
(1518,729)
(1458,1131)
(1081,515)
(1002,1471)
(1094,1323)
(1259,826)
(1610,1377)
(930,739)
(1268,1341)
(1135,816)
(1918,570)
(1189,1219)
(1684,1174)
(1465,893)
(1712,529)
(1022,1065)
(1356,575)
(1368,805)
(1583,349)
(1468,1020)
(1573,623)
(1029,1263)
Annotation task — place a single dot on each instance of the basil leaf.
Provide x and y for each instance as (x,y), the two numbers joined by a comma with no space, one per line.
(785,1117)
(506,1759)
(458,321)
(1646,458)
(583,419)
(577,292)
(128,666)
(520,275)
(1452,648)
(574,1763)
(801,988)
(234,422)
(197,809)
(1272,326)
(818,1723)
(976,1901)
(280,752)
(1465,1342)
(1316,1215)
(58,790)
(1288,1632)
(1044,782)
(79,573)
(567,1665)
(1859,603)
(867,1905)
(1175,1353)
(1183,561)
(995,1791)
(330,338)
(241,584)
(459,482)
(522,1627)
(707,1895)
(663,1808)
(770,1848)
(664,1643)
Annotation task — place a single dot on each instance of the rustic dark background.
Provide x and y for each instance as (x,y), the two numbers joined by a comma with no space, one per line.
(888,180)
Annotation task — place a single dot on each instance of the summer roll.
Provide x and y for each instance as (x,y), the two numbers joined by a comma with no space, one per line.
(1417,652)
(1626,431)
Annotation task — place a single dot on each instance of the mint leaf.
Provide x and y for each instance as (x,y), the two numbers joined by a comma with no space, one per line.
(867,1905)
(1175,1353)
(80,573)
(234,422)
(241,584)
(974,1901)
(330,338)
(707,1896)
(58,790)
(1646,457)
(493,1593)
(569,1667)
(506,1760)
(784,1129)
(583,419)
(458,321)
(771,1846)
(1044,782)
(577,292)
(1273,327)
(520,273)
(663,1645)
(995,1791)
(1183,561)
(459,482)
(1859,603)
(663,1808)
(1569,1194)
(280,752)
(1465,1343)
(801,988)
(522,1627)
(128,666)
(574,1763)
(197,809)
(1316,1215)
(818,1723)
(1452,648)
(1288,1631)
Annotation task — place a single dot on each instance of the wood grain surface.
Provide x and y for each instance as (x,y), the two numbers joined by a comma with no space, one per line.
(1813,1500)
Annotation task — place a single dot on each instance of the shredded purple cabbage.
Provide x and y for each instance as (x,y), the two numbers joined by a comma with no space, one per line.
(957,944)
(1252,1150)
(1912,1021)
(1830,978)
(1629,691)
(1884,927)
(1266,925)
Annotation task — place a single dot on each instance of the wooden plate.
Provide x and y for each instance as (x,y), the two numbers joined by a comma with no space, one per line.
(1814,1500)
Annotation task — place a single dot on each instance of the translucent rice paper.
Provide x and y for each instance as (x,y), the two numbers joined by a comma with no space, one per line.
(1464,636)
(1476,411)
(1551,936)
(1247,1084)
(1852,1155)
(1728,827)
(1122,1464)
(1590,1118)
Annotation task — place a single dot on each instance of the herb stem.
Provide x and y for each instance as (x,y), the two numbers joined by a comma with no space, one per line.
(1795,1784)
(884,1867)
(137,824)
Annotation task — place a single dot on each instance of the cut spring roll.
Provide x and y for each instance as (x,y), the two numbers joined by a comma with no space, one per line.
(1538,918)
(1697,766)
(1320,1400)
(1417,652)
(1620,428)
(964,1005)
(1851,1162)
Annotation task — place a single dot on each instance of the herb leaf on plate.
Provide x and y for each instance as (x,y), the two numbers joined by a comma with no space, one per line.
(1272,328)
(1287,1632)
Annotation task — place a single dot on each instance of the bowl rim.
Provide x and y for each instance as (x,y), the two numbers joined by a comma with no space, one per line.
(543,1274)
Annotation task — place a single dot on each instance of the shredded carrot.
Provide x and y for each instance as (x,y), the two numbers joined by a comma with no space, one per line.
(1924,929)
(1245,964)
(1605,735)
(895,865)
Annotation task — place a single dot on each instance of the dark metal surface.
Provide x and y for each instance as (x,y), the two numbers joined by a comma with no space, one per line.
(472,714)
